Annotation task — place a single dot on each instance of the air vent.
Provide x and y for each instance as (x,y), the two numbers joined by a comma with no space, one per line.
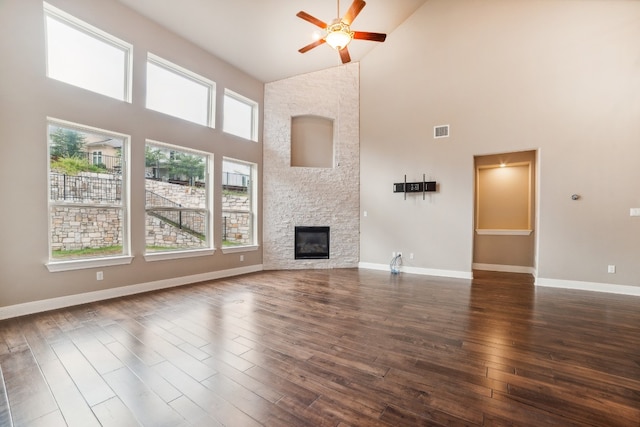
(441,131)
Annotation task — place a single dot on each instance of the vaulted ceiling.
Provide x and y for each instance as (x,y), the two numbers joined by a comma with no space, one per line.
(262,37)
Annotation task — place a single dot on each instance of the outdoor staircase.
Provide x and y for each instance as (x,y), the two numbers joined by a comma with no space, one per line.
(156,200)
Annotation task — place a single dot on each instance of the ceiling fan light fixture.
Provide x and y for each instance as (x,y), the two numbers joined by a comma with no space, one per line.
(339,35)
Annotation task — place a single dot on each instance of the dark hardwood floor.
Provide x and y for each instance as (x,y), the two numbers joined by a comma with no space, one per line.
(330,348)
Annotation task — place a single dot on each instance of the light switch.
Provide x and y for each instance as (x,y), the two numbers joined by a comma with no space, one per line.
(634,212)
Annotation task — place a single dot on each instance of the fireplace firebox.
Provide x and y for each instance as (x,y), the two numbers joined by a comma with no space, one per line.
(311,242)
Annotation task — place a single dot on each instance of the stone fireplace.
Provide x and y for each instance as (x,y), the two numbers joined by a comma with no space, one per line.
(323,196)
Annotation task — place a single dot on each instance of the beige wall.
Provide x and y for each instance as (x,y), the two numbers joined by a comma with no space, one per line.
(27,97)
(561,77)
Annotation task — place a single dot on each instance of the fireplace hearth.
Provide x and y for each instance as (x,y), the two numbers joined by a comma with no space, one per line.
(311,242)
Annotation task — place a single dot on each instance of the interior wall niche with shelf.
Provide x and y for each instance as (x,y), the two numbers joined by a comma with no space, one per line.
(505,212)
(312,141)
(503,198)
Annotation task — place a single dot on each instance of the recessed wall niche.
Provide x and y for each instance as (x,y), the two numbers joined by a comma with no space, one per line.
(311,141)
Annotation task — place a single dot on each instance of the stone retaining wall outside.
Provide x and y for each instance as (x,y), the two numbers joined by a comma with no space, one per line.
(74,228)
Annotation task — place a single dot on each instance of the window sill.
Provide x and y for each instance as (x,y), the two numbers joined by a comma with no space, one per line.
(500,232)
(236,249)
(80,264)
(163,256)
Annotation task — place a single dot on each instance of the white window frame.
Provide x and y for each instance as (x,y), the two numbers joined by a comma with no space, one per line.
(188,75)
(96,155)
(253,210)
(96,33)
(103,261)
(255,110)
(188,253)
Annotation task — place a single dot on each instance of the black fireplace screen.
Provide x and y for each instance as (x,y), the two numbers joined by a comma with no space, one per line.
(312,243)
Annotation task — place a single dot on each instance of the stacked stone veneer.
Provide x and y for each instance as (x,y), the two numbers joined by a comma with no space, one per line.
(83,227)
(300,196)
(236,218)
(79,227)
(162,234)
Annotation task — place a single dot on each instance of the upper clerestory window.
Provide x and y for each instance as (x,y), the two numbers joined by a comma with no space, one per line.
(240,116)
(178,92)
(85,56)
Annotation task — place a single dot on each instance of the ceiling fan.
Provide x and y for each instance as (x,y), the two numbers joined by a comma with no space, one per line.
(338,33)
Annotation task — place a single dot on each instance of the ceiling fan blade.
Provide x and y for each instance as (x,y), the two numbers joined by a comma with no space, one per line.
(312,19)
(344,55)
(375,37)
(353,11)
(311,46)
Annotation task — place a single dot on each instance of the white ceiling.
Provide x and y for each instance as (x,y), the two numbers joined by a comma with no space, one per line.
(262,37)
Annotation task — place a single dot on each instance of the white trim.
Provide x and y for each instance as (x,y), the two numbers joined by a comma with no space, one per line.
(502,232)
(88,297)
(81,264)
(589,286)
(505,268)
(236,249)
(417,270)
(162,256)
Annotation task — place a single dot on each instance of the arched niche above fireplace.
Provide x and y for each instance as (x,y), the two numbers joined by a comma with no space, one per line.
(312,141)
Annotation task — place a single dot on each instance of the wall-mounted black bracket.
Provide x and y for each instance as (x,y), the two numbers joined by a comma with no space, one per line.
(414,187)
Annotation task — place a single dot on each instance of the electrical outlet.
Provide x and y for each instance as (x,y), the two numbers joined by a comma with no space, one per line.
(241,257)
(411,255)
(99,275)
(400,254)
(393,254)
(611,269)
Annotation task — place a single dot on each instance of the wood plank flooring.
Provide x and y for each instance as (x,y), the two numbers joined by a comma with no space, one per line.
(330,348)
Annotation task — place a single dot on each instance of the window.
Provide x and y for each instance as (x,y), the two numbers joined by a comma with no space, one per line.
(97,157)
(240,116)
(84,56)
(238,203)
(177,199)
(178,92)
(87,201)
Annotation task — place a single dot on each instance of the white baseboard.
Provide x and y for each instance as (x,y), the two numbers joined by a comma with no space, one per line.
(505,268)
(71,300)
(552,283)
(589,286)
(421,271)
